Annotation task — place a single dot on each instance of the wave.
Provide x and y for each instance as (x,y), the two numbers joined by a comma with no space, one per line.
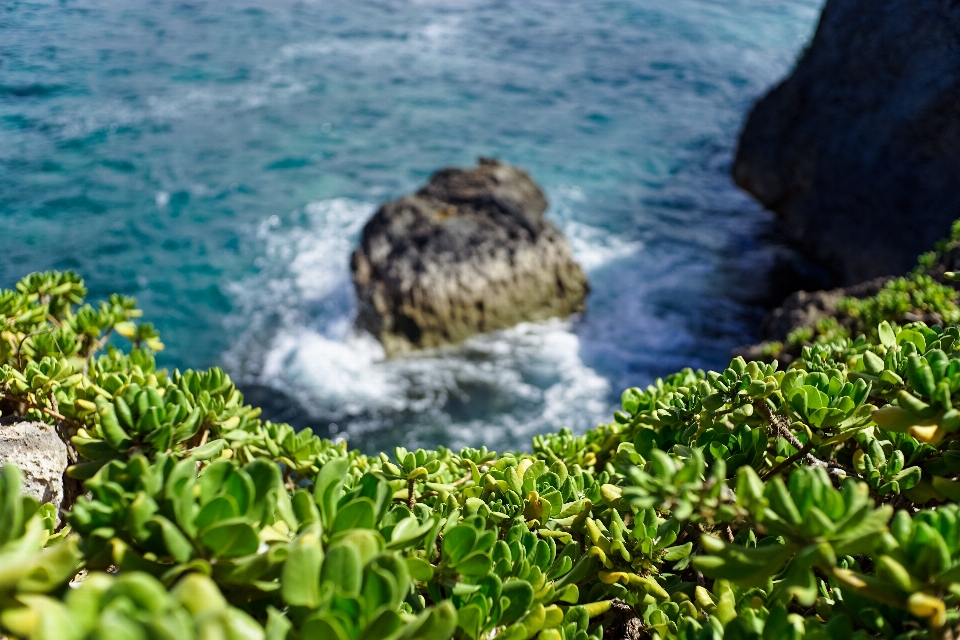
(501,387)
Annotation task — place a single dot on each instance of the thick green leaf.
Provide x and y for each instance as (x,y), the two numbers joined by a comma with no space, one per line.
(380,589)
(342,568)
(383,625)
(173,539)
(230,538)
(301,572)
(323,626)
(217,510)
(329,488)
(356,514)
(520,595)
(477,563)
(458,542)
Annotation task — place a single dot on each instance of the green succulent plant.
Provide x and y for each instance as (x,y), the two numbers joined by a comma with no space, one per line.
(814,501)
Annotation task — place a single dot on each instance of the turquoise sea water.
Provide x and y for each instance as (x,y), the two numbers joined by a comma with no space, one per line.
(217,160)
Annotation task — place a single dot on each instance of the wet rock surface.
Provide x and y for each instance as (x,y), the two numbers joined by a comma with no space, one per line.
(470,252)
(858,150)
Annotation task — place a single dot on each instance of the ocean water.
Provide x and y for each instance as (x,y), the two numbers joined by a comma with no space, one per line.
(218,160)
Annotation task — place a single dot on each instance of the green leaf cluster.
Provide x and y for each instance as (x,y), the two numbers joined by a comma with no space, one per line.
(815,501)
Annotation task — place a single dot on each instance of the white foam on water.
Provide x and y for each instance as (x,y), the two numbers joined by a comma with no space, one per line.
(592,247)
(349,379)
(339,375)
(505,386)
(319,261)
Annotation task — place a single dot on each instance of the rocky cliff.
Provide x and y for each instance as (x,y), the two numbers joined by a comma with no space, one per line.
(858,150)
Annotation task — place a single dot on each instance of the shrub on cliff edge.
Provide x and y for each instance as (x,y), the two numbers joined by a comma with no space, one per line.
(814,502)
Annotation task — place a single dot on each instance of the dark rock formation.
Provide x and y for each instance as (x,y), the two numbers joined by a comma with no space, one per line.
(858,150)
(806,308)
(803,309)
(470,252)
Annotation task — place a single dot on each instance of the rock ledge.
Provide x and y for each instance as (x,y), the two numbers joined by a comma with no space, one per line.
(37,450)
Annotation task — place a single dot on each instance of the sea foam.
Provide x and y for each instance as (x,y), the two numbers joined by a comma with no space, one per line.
(300,339)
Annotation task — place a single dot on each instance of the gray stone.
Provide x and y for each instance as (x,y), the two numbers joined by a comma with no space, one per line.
(471,252)
(803,309)
(806,308)
(37,450)
(858,150)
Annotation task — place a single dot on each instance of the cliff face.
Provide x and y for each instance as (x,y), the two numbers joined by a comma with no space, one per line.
(858,150)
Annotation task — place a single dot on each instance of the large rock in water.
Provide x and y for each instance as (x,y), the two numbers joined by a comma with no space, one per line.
(470,252)
(858,151)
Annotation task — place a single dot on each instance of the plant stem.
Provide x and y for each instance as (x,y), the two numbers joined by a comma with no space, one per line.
(71,453)
(804,450)
(20,346)
(782,430)
(39,407)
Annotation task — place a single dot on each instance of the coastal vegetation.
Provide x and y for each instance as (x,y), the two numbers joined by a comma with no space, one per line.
(759,502)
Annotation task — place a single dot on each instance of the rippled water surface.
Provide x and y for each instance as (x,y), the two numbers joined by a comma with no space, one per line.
(218,160)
